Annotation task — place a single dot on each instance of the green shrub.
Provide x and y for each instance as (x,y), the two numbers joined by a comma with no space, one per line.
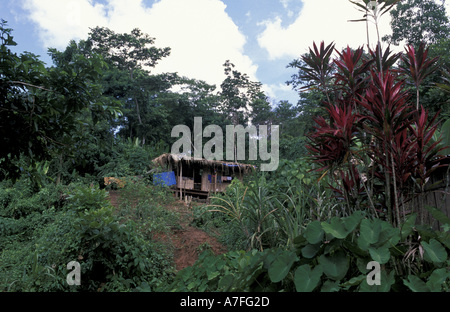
(20,200)
(332,256)
(113,253)
(87,198)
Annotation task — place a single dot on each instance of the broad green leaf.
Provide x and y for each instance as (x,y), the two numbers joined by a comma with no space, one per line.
(354,249)
(335,266)
(444,238)
(445,132)
(407,227)
(281,265)
(386,281)
(354,281)
(352,221)
(310,250)
(314,232)
(213,275)
(434,251)
(226,281)
(370,231)
(330,286)
(388,234)
(437,279)
(269,256)
(381,254)
(305,279)
(438,215)
(362,243)
(416,284)
(335,227)
(300,241)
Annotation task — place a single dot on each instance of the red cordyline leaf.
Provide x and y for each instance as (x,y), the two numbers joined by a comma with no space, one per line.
(387,106)
(352,69)
(403,151)
(427,157)
(331,142)
(417,65)
(383,61)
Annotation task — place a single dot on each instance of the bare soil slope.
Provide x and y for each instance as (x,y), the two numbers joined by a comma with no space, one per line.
(187,240)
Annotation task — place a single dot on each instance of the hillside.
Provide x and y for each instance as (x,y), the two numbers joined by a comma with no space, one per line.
(187,241)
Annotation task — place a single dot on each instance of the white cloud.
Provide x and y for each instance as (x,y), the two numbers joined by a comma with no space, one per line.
(61,21)
(285,3)
(319,20)
(280,91)
(200,33)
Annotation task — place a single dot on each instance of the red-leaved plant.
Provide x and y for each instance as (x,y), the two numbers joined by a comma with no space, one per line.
(369,104)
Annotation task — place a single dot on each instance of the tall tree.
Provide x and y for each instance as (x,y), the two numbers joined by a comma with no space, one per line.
(39,106)
(237,93)
(242,100)
(417,21)
(133,54)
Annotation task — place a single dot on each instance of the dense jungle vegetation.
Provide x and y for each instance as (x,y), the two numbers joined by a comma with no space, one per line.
(359,154)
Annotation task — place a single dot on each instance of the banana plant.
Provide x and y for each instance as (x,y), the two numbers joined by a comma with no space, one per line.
(375,10)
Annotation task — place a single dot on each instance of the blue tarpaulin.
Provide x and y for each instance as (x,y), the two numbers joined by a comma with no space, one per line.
(164,178)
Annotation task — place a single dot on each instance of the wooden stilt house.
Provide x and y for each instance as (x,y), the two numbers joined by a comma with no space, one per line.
(198,177)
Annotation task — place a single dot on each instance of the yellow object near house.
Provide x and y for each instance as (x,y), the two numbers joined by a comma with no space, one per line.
(114,181)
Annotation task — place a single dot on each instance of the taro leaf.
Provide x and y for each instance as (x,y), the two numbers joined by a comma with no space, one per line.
(354,249)
(444,238)
(336,228)
(361,264)
(335,266)
(333,246)
(213,274)
(434,251)
(330,286)
(305,279)
(226,282)
(425,232)
(388,233)
(269,256)
(314,233)
(381,254)
(362,243)
(351,222)
(438,215)
(370,231)
(281,266)
(354,281)
(416,284)
(386,281)
(310,250)
(300,241)
(437,278)
(407,227)
(445,132)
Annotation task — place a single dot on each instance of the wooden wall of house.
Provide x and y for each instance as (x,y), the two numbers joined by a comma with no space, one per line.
(205,182)
(439,198)
(219,186)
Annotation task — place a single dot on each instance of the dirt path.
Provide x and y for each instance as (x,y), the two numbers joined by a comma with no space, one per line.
(188,241)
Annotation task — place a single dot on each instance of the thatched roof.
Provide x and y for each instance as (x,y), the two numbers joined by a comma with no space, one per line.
(167,158)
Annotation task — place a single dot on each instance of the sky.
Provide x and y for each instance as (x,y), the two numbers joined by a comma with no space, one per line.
(261,37)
